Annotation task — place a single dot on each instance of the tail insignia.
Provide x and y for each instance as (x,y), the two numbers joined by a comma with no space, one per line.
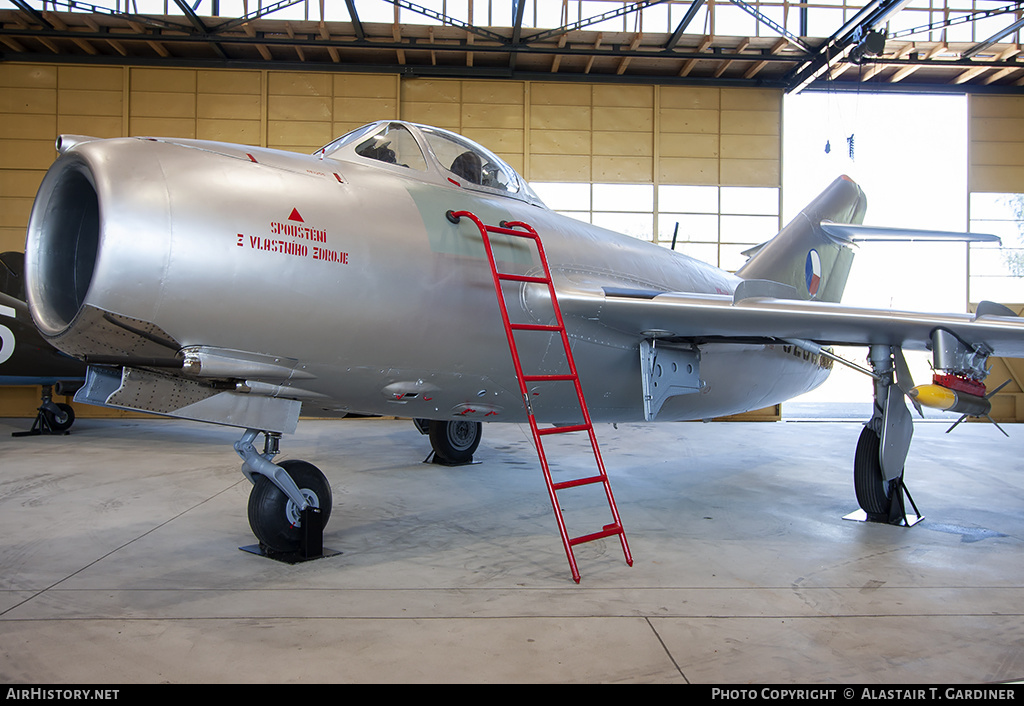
(812,272)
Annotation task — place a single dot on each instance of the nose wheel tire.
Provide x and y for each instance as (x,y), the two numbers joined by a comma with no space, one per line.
(274,518)
(454,441)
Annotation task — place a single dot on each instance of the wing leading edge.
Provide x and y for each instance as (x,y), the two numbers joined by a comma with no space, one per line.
(703,317)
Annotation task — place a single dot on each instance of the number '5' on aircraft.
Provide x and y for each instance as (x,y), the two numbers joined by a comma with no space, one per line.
(27,359)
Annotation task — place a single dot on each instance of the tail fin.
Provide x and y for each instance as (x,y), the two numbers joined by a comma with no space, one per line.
(803,255)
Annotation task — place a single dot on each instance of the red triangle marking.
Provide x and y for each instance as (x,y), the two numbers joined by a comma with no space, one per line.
(295,216)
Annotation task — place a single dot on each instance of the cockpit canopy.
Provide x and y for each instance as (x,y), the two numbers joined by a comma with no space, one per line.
(431,150)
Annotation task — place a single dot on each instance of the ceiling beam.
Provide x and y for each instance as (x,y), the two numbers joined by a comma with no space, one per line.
(691,12)
(558,57)
(690,63)
(907,70)
(982,46)
(835,48)
(597,45)
(113,37)
(756,67)
(199,25)
(191,16)
(979,70)
(624,62)
(446,19)
(518,6)
(33,13)
(772,24)
(353,15)
(595,19)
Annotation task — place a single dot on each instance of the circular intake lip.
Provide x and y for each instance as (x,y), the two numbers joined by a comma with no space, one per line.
(62,244)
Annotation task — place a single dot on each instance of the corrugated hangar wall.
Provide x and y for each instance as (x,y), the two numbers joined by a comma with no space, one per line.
(996,150)
(996,164)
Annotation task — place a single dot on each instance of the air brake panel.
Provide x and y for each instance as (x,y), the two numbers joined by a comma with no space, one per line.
(667,372)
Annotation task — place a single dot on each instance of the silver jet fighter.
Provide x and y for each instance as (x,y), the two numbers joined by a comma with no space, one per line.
(232,284)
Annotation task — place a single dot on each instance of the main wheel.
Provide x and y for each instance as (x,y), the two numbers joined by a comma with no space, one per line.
(874,494)
(63,421)
(454,441)
(274,518)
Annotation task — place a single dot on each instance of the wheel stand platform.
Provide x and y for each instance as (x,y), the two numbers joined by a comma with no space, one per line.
(897,511)
(311,546)
(42,424)
(433,458)
(40,427)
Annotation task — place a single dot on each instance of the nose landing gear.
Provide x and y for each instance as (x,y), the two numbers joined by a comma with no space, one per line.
(289,505)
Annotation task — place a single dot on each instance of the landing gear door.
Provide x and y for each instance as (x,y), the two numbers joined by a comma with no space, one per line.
(897,430)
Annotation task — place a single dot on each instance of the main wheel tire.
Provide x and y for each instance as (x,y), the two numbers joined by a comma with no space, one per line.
(454,441)
(57,424)
(274,518)
(874,494)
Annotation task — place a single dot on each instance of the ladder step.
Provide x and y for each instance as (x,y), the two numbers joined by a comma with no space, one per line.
(608,531)
(509,231)
(535,327)
(563,430)
(548,378)
(577,482)
(523,278)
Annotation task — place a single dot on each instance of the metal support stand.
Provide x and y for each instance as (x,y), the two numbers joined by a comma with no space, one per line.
(311,546)
(897,511)
(46,412)
(432,457)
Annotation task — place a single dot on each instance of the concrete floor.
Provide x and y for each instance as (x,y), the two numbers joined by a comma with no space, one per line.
(119,560)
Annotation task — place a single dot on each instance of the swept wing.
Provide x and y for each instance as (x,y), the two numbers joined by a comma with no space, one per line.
(699,318)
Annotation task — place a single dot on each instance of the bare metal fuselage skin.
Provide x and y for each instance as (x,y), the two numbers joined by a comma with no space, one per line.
(346,275)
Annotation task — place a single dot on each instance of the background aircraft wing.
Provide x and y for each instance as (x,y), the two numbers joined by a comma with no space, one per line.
(695,317)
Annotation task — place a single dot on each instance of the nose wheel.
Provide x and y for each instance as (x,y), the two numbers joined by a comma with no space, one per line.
(275,519)
(289,505)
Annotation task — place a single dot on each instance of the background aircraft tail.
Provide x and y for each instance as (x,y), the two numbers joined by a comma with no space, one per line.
(803,255)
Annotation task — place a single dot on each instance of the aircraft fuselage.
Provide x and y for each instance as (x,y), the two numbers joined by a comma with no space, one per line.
(349,276)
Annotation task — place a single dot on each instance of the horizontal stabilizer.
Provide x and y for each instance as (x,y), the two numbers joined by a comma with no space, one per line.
(852,233)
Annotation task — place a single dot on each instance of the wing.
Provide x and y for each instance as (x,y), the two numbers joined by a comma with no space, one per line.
(697,317)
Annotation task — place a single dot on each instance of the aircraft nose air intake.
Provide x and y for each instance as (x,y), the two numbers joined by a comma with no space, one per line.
(63,243)
(97,249)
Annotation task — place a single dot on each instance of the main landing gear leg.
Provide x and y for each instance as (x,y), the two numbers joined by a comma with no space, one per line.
(289,505)
(883,446)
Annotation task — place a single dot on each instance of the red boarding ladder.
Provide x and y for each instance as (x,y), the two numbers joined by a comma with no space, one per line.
(523,230)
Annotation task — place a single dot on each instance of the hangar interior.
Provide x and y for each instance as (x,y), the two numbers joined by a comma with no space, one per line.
(661,120)
(664,120)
